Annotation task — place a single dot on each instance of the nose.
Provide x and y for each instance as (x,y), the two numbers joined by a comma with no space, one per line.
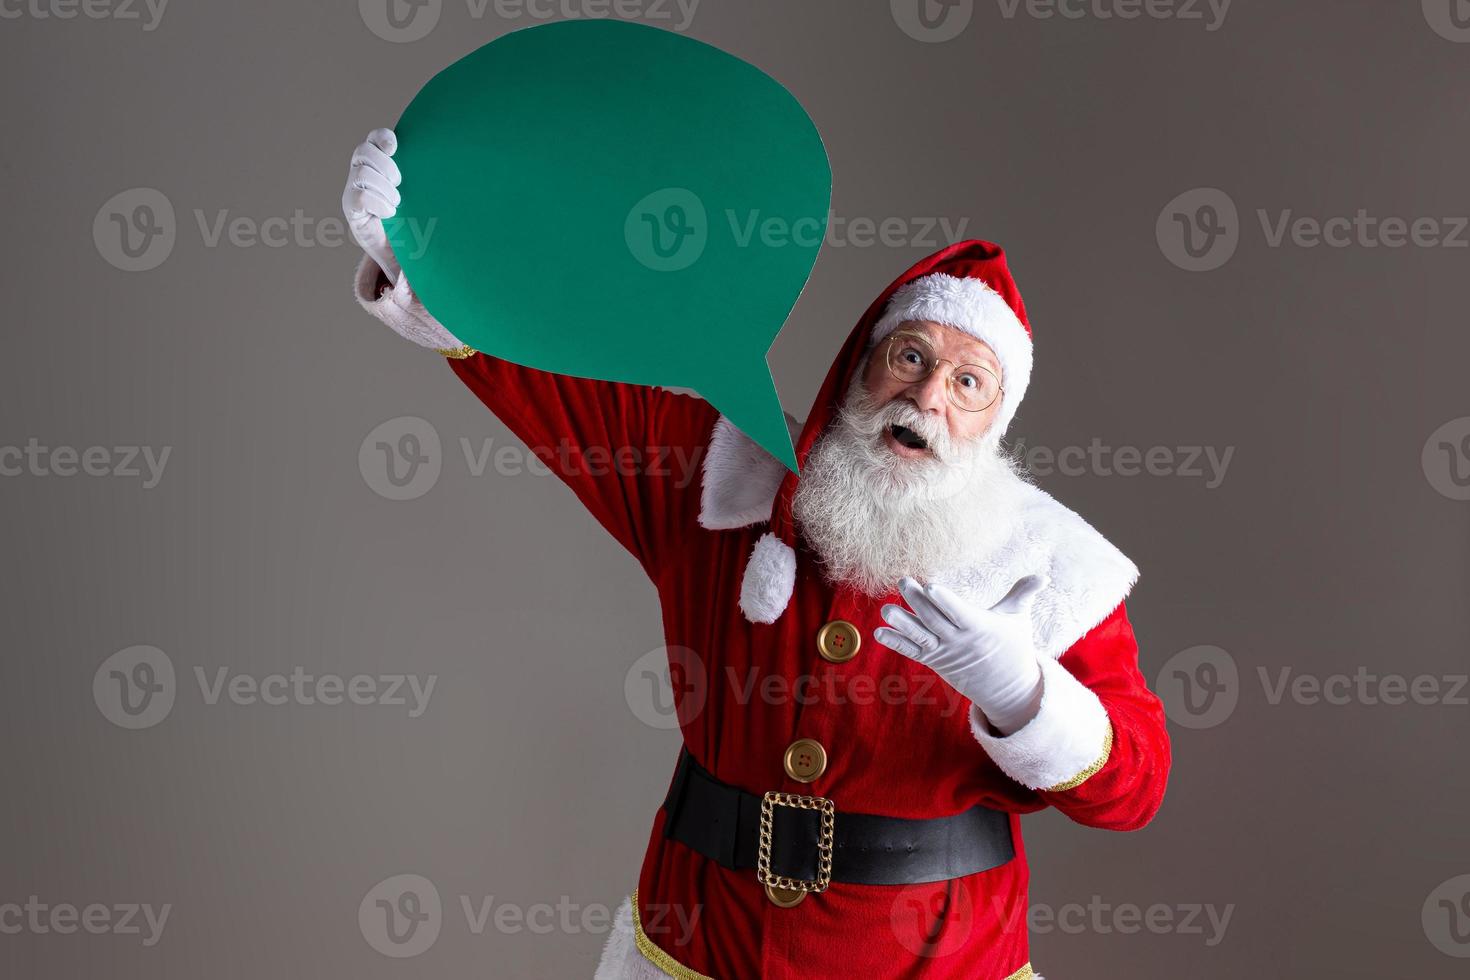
(930,394)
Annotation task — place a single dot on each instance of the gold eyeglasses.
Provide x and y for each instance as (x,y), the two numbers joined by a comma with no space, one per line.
(972,387)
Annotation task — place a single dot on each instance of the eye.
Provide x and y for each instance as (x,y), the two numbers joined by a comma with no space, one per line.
(911,355)
(967,380)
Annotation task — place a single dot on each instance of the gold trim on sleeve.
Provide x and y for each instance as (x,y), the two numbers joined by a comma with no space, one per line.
(1024,973)
(456,353)
(1091,770)
(655,955)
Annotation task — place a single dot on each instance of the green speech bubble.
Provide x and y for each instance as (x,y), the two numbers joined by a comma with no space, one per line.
(613,201)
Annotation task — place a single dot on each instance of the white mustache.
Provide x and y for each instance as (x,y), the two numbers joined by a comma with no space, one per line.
(932,430)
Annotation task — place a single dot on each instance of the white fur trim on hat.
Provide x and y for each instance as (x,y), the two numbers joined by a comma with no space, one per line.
(970,305)
(770,578)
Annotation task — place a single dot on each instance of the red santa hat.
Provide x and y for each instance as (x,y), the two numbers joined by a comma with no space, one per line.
(967,285)
(971,304)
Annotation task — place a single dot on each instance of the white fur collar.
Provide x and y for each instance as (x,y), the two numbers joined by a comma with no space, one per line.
(1088,575)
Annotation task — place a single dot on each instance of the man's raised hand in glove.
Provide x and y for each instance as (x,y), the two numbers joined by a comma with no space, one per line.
(986,655)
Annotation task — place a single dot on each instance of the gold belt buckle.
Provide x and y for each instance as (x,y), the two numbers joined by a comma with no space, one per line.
(763,874)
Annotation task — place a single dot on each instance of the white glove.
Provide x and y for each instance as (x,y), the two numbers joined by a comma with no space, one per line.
(985,654)
(372,195)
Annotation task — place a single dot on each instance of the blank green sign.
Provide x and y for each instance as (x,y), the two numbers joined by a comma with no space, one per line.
(613,201)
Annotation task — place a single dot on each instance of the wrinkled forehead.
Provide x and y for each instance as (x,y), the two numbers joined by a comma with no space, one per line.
(950,342)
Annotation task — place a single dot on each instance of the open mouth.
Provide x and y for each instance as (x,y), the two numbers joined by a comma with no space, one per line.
(907,437)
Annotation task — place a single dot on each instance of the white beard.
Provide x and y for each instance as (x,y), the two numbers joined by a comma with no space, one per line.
(874,517)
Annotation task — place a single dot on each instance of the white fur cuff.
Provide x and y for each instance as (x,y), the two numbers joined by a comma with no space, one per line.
(400,309)
(770,577)
(1069,737)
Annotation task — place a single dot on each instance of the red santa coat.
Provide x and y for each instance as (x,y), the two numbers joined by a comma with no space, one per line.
(899,742)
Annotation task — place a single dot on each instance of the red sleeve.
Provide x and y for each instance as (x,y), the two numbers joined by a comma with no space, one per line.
(1126,788)
(630,453)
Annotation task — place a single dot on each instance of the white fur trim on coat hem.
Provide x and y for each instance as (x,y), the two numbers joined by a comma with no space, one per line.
(770,578)
(1068,736)
(621,959)
(400,309)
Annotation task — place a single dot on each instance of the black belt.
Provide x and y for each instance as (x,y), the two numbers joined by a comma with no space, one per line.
(802,842)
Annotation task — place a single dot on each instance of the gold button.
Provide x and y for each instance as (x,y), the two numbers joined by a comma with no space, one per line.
(838,641)
(786,898)
(806,760)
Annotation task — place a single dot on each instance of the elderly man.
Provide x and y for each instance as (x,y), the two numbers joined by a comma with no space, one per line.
(949,643)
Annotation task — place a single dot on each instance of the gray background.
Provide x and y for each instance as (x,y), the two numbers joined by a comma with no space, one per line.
(1329,547)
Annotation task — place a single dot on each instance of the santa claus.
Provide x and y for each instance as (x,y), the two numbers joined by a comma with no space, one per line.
(950,644)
